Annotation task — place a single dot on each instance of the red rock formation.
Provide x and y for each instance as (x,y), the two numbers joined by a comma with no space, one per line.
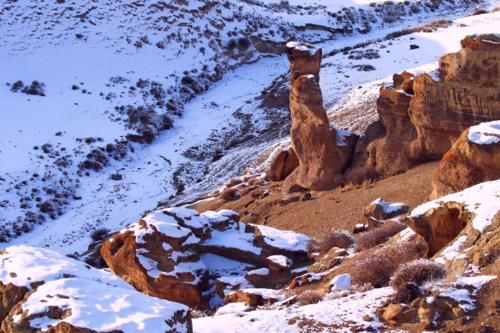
(423,117)
(320,160)
(474,158)
(283,165)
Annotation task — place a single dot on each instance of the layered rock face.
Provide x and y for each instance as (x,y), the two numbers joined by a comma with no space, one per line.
(474,158)
(424,116)
(199,259)
(43,291)
(314,142)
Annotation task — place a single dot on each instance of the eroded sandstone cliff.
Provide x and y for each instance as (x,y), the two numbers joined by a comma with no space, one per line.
(425,115)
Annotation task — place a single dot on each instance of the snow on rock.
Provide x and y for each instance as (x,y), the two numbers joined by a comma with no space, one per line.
(96,306)
(284,239)
(341,282)
(482,201)
(198,258)
(69,292)
(461,292)
(485,133)
(24,265)
(280,260)
(380,210)
(335,315)
(453,251)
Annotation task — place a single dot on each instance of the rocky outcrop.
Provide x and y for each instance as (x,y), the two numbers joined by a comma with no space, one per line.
(461,231)
(440,221)
(474,158)
(283,165)
(44,291)
(320,160)
(180,255)
(424,115)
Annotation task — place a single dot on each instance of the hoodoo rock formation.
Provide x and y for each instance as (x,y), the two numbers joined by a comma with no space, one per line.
(320,160)
(424,116)
(474,158)
(199,259)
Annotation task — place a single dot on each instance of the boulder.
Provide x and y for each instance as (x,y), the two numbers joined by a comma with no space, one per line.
(178,254)
(474,158)
(320,160)
(380,210)
(255,296)
(283,165)
(424,115)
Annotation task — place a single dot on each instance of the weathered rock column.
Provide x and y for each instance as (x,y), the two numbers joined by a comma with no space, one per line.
(320,162)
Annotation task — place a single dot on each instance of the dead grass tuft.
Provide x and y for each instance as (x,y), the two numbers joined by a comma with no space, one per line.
(379,235)
(378,265)
(410,276)
(334,238)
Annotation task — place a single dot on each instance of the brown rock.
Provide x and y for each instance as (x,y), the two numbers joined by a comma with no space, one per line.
(283,165)
(314,142)
(253,297)
(150,266)
(10,295)
(468,163)
(424,117)
(163,255)
(380,210)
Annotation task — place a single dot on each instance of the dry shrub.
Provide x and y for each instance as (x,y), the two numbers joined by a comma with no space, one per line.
(334,238)
(410,276)
(479,12)
(230,194)
(309,297)
(99,234)
(360,175)
(378,235)
(377,266)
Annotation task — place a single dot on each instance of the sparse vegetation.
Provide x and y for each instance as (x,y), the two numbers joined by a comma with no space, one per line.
(367,240)
(334,238)
(309,297)
(378,265)
(99,234)
(410,276)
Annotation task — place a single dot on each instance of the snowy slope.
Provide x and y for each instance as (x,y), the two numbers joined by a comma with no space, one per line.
(92,58)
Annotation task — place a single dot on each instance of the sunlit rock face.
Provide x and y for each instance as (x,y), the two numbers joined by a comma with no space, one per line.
(474,158)
(424,115)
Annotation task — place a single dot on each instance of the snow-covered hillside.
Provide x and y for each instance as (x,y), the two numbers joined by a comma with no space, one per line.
(198,79)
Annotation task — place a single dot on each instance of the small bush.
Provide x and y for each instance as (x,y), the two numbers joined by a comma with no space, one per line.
(309,297)
(360,175)
(410,276)
(230,194)
(334,238)
(378,235)
(99,234)
(378,266)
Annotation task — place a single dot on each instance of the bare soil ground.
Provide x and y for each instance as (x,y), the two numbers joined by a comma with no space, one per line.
(341,208)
